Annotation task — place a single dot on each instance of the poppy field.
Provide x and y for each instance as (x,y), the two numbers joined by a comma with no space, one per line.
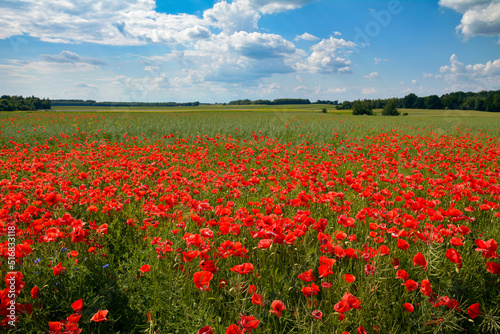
(277,222)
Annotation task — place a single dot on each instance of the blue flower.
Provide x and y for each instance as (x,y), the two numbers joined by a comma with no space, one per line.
(63,249)
(105,266)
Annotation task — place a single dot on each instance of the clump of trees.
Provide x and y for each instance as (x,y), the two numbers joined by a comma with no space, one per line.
(390,108)
(482,101)
(13,103)
(362,108)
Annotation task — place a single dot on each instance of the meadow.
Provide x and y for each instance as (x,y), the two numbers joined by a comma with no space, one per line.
(249,220)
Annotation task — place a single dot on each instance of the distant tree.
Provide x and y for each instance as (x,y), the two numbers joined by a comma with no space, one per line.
(362,108)
(390,108)
(409,101)
(493,102)
(419,103)
(324,110)
(433,102)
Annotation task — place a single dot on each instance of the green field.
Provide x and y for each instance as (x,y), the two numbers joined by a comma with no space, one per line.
(388,224)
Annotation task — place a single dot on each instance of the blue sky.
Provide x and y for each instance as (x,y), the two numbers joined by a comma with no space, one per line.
(218,51)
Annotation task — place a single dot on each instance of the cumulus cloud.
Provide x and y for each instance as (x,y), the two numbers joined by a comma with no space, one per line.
(71,58)
(480,17)
(328,56)
(306,36)
(260,46)
(479,76)
(335,90)
(139,89)
(239,57)
(373,75)
(112,22)
(275,6)
(233,17)
(368,91)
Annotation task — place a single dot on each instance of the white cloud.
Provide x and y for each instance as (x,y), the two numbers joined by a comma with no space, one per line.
(431,76)
(306,36)
(269,88)
(302,89)
(480,17)
(373,75)
(275,6)
(129,22)
(71,58)
(85,85)
(233,17)
(337,33)
(328,56)
(368,91)
(240,57)
(336,90)
(379,60)
(415,82)
(260,46)
(478,76)
(139,89)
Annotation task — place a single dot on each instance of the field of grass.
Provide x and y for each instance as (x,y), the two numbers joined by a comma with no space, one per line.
(265,220)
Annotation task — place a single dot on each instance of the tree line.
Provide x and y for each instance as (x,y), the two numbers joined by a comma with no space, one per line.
(13,103)
(269,102)
(482,101)
(92,103)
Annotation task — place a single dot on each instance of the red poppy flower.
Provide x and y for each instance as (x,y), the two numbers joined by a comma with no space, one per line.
(362,330)
(257,299)
(77,306)
(58,269)
(145,268)
(310,291)
(243,269)
(453,256)
(317,314)
(100,316)
(347,302)
(277,308)
(74,317)
(205,330)
(349,278)
(402,274)
(473,311)
(265,243)
(456,242)
(419,259)
(55,326)
(249,323)
(307,276)
(410,285)
(370,269)
(403,244)
(324,271)
(233,329)
(408,307)
(425,287)
(34,292)
(202,279)
(493,267)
